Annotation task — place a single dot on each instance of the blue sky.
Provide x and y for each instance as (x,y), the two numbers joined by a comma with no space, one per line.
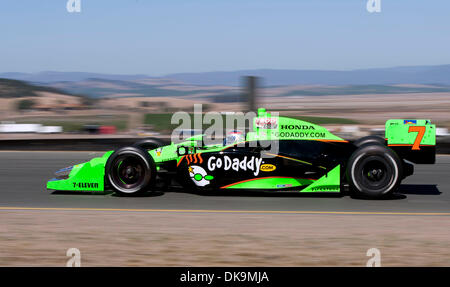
(170,36)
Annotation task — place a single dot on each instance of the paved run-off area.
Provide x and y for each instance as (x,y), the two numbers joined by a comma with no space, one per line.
(236,231)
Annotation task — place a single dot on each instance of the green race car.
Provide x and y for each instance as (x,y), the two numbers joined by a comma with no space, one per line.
(280,154)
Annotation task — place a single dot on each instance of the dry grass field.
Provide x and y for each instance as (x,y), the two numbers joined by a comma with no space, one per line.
(368,109)
(41,238)
(364,109)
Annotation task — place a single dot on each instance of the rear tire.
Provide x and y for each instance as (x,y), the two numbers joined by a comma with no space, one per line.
(369,140)
(374,171)
(130,171)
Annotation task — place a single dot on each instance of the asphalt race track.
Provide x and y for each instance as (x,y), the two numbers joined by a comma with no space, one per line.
(23,176)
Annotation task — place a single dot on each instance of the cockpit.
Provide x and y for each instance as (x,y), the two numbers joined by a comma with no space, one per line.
(233,137)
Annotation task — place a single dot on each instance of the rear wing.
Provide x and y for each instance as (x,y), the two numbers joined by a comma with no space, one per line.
(413,140)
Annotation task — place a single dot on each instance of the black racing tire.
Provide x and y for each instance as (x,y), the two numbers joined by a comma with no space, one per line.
(374,171)
(149,144)
(369,140)
(130,171)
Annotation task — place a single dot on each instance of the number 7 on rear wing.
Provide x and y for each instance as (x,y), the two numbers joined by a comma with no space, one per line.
(412,140)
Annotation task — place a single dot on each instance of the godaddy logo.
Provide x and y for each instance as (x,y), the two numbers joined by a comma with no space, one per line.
(199,175)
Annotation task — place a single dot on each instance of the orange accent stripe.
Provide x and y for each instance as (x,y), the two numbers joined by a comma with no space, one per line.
(283,156)
(201,159)
(195,158)
(181,159)
(290,158)
(247,180)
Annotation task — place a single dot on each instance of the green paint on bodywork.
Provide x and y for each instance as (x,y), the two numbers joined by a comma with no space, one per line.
(88,176)
(268,127)
(397,132)
(330,182)
(192,144)
(271,183)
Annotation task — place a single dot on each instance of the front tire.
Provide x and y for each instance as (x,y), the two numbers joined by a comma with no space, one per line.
(130,171)
(149,143)
(374,171)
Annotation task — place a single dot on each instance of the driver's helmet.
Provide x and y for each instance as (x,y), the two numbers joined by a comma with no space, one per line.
(233,137)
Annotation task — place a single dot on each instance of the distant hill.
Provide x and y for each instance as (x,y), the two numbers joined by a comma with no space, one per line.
(99,88)
(225,86)
(51,77)
(271,77)
(364,90)
(381,76)
(18,89)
